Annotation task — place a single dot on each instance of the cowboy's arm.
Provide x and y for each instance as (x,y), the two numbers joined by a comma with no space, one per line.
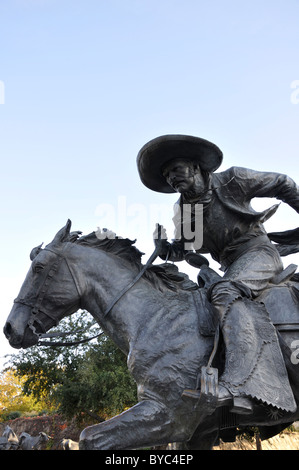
(267,184)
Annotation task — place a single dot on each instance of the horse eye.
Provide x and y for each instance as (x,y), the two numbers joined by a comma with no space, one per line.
(38,268)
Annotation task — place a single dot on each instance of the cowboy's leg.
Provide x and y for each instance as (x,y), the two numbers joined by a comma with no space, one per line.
(254,365)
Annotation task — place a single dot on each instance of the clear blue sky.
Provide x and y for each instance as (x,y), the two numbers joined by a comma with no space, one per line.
(87,83)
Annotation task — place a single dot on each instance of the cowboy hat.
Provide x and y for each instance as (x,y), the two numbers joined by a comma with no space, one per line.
(154,155)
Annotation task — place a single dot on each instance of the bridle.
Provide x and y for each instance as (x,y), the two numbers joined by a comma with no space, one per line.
(37,307)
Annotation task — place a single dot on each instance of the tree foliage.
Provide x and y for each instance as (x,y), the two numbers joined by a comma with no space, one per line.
(12,400)
(90,378)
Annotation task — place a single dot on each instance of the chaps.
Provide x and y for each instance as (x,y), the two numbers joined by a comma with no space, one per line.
(254,365)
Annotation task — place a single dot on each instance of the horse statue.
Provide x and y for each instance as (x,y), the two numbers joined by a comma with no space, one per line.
(163,323)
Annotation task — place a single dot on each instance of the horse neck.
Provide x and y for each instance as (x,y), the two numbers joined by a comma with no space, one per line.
(105,276)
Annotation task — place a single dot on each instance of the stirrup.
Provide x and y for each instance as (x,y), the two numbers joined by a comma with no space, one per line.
(206,396)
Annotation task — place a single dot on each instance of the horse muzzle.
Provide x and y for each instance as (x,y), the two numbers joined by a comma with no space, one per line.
(17,329)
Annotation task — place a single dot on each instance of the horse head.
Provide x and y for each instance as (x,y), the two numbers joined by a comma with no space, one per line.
(48,294)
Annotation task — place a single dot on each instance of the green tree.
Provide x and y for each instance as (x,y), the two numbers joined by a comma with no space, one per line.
(102,384)
(91,378)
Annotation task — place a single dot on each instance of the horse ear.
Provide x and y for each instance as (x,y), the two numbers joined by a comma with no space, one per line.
(35,251)
(63,234)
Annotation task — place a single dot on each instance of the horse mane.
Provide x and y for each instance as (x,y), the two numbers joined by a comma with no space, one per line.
(162,276)
(122,247)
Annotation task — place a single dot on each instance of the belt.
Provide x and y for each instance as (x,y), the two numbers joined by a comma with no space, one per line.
(232,252)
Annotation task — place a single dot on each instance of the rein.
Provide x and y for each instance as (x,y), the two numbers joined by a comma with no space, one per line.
(37,307)
(151,259)
(66,343)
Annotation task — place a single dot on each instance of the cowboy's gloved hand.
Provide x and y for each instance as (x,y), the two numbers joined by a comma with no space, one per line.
(160,239)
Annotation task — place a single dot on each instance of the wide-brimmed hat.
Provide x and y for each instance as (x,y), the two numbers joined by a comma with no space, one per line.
(154,156)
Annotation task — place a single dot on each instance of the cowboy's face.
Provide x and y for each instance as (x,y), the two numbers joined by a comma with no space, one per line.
(182,176)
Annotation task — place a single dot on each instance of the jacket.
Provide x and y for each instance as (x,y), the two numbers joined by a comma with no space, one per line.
(228,217)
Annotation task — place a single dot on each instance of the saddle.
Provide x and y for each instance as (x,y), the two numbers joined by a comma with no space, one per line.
(280,297)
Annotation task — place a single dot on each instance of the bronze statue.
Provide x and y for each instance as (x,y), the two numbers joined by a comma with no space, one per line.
(233,233)
(167,325)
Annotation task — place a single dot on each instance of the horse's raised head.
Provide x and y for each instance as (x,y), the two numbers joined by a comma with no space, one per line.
(48,294)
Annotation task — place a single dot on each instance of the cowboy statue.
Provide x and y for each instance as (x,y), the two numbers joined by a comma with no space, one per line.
(232,232)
